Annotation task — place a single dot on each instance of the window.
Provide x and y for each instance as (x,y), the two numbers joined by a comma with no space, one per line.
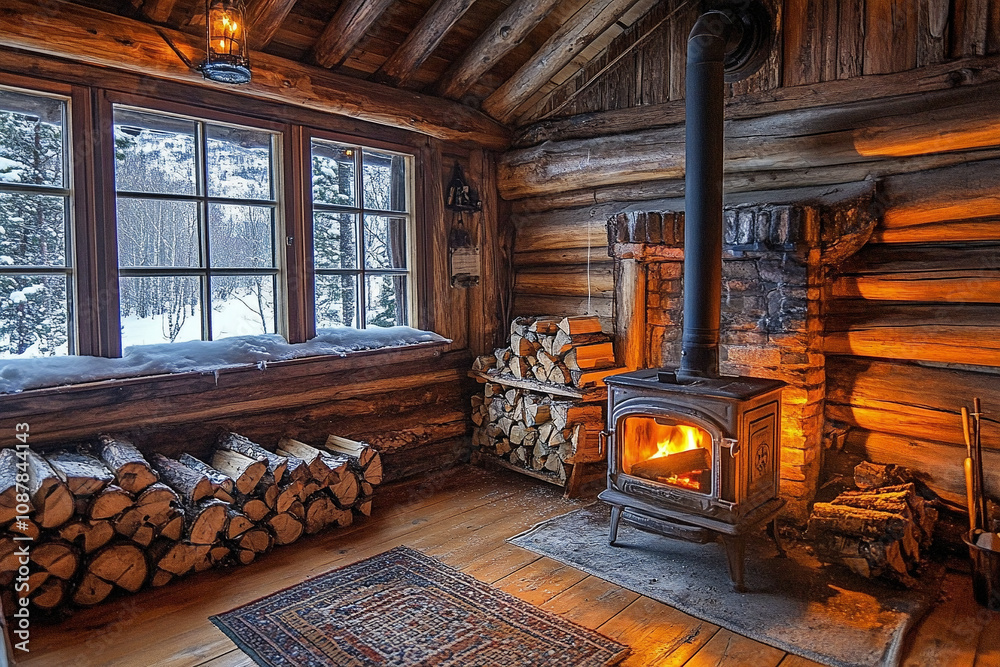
(35,242)
(198,216)
(362,230)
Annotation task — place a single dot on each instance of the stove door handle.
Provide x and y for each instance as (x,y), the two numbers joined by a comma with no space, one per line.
(733,445)
(602,443)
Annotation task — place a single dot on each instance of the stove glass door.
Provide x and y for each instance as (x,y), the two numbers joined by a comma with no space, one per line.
(666,450)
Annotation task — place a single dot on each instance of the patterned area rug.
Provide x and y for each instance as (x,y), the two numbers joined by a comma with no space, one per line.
(404,608)
(827,614)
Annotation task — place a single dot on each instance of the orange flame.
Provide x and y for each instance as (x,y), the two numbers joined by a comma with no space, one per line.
(681,439)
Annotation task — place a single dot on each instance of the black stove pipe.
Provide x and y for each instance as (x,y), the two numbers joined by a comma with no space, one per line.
(713,35)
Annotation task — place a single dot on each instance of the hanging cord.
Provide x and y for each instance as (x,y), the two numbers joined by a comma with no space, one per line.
(589,292)
(604,70)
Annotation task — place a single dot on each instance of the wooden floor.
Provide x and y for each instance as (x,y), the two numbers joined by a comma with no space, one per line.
(462,518)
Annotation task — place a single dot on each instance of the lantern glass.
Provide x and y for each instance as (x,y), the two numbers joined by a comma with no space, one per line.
(227,55)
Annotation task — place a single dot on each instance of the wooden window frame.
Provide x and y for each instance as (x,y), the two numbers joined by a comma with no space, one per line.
(414,233)
(96,320)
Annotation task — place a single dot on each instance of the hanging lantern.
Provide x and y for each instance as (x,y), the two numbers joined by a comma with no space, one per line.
(227,54)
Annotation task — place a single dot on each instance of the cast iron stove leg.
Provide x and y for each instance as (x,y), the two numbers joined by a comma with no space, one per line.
(772,530)
(735,552)
(616,515)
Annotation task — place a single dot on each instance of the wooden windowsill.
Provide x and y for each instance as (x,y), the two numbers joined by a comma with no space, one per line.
(187,381)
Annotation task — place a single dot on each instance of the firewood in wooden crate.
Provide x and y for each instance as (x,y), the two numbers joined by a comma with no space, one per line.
(51,498)
(83,473)
(120,565)
(111,501)
(590,357)
(234,442)
(190,484)
(245,472)
(87,534)
(580,324)
(132,472)
(222,484)
(8,489)
(363,457)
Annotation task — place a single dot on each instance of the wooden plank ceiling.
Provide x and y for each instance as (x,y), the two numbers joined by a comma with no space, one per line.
(501,56)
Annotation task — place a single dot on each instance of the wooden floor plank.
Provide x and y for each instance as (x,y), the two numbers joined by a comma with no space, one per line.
(951,631)
(988,651)
(728,649)
(498,563)
(540,581)
(234,658)
(591,602)
(659,636)
(798,661)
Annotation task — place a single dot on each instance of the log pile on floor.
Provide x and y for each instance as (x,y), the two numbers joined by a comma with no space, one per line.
(105,518)
(532,429)
(877,531)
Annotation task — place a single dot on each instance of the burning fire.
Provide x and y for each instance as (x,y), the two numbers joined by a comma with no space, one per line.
(676,439)
(680,439)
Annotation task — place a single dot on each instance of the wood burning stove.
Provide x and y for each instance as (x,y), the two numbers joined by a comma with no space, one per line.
(697,461)
(693,455)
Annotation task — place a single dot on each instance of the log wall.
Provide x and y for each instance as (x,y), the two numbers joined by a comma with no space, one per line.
(899,95)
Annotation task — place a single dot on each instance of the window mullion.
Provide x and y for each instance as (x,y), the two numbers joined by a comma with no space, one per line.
(206,250)
(362,302)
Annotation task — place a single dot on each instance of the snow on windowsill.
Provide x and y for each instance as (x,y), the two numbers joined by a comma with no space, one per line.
(17,375)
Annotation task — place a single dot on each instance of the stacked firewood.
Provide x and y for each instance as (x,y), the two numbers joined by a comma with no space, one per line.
(535,431)
(528,426)
(567,351)
(105,518)
(880,530)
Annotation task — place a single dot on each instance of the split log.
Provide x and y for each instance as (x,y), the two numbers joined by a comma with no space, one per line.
(132,471)
(217,555)
(222,484)
(344,489)
(319,512)
(50,595)
(192,485)
(88,535)
(313,457)
(56,558)
(91,590)
(205,521)
(237,523)
(564,342)
(83,474)
(245,549)
(25,527)
(255,509)
(109,503)
(245,472)
(154,508)
(8,488)
(176,558)
(285,527)
(590,357)
(234,442)
(869,475)
(672,465)
(361,455)
(122,565)
(50,496)
(582,324)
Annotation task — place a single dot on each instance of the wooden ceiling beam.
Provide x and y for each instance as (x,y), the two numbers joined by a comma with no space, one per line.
(421,42)
(565,44)
(158,10)
(509,30)
(263,18)
(349,24)
(65,30)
